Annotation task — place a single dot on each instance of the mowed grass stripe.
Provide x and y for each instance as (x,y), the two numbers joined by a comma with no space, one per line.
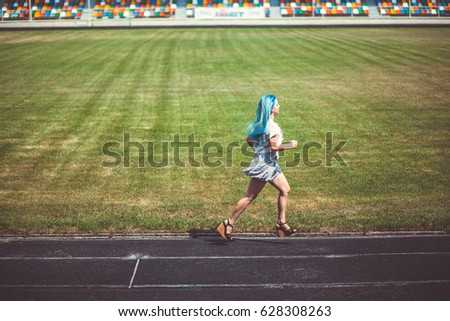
(75,90)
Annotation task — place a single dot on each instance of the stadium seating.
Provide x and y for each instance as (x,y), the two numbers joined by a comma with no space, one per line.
(110,9)
(43,9)
(15,9)
(193,4)
(418,7)
(298,8)
(59,9)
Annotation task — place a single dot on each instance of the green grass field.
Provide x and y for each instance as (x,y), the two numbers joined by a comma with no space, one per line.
(64,94)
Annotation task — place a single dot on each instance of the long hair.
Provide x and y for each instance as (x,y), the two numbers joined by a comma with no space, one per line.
(259,125)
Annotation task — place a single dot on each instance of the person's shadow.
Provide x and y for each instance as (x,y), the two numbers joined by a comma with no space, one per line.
(213,238)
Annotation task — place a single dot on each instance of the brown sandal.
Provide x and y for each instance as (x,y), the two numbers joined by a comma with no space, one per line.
(282,231)
(222,229)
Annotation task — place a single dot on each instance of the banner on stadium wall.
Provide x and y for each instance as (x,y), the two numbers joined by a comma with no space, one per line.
(230,13)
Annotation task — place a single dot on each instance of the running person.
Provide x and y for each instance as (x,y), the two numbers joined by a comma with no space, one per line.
(265,137)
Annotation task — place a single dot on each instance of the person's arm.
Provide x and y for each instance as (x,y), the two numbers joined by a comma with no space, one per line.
(274,147)
(250,142)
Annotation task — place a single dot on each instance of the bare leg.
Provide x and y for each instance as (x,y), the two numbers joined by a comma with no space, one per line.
(280,183)
(254,187)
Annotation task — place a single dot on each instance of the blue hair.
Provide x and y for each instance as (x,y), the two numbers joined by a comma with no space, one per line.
(259,125)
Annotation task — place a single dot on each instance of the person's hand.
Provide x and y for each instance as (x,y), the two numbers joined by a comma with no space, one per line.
(294,144)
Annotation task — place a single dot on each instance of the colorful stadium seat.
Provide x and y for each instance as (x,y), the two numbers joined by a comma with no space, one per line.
(110,9)
(193,4)
(15,9)
(65,9)
(298,8)
(414,7)
(43,9)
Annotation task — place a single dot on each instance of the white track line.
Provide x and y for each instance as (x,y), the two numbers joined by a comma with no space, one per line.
(63,286)
(296,285)
(221,285)
(214,236)
(242,257)
(134,273)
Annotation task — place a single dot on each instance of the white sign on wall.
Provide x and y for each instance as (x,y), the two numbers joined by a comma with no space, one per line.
(230,13)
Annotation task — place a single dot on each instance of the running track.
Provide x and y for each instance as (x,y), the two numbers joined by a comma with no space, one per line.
(401,267)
